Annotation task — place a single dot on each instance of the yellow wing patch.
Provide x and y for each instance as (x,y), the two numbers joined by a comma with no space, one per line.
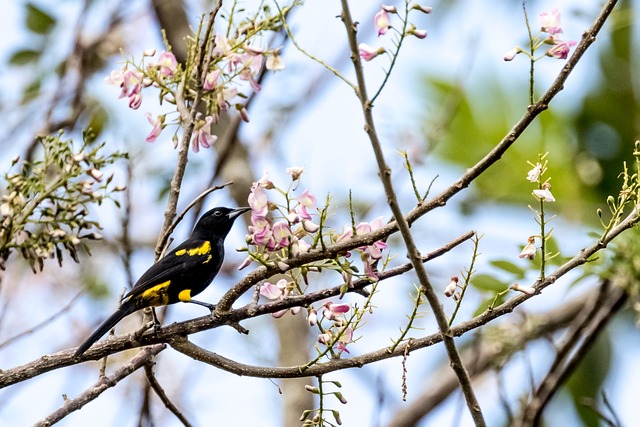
(203,249)
(157,295)
(185,295)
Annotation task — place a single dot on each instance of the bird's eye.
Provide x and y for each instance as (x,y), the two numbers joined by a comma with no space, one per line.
(217,213)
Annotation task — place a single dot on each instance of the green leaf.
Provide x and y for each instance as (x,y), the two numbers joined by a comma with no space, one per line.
(38,21)
(486,282)
(509,267)
(24,57)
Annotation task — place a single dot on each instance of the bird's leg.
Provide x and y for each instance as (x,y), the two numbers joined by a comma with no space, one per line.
(156,322)
(211,307)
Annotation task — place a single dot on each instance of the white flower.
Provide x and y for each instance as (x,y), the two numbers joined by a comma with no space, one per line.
(534,174)
(529,251)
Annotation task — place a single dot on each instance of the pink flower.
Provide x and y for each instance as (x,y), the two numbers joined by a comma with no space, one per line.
(211,80)
(270,291)
(512,54)
(345,338)
(368,53)
(115,78)
(381,22)
(388,8)
(307,201)
(281,233)
(202,134)
(260,230)
(258,201)
(421,8)
(167,63)
(550,21)
(561,48)
(135,101)
(131,83)
(421,34)
(251,67)
(158,125)
(333,311)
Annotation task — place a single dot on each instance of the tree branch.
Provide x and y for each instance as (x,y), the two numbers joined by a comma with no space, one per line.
(384,171)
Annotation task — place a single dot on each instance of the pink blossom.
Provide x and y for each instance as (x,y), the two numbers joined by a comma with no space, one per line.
(281,233)
(167,63)
(345,338)
(381,22)
(561,48)
(324,338)
(309,226)
(550,21)
(131,83)
(421,8)
(135,101)
(509,56)
(258,201)
(222,46)
(307,201)
(211,80)
(115,78)
(368,53)
(260,230)
(202,134)
(333,311)
(413,31)
(388,8)
(251,67)
(158,125)
(270,291)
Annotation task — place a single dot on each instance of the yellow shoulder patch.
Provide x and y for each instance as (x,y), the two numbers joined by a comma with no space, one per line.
(157,295)
(203,249)
(185,295)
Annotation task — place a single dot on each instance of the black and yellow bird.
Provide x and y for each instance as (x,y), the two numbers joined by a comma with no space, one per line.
(183,273)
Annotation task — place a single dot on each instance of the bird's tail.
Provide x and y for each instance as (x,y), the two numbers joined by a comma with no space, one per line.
(124,310)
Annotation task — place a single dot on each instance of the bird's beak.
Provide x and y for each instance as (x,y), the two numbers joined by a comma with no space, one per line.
(237,212)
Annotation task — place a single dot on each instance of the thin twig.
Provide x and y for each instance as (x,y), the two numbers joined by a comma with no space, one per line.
(45,322)
(103,384)
(155,385)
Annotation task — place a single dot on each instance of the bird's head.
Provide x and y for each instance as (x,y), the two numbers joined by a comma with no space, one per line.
(217,222)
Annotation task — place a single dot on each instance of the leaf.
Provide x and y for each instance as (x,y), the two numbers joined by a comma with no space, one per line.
(38,21)
(509,267)
(24,57)
(486,282)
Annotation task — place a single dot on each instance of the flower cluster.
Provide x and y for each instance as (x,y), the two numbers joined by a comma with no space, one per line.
(371,254)
(382,24)
(234,65)
(340,333)
(271,236)
(550,27)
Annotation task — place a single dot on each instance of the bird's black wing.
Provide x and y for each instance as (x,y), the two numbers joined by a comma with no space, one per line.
(186,257)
